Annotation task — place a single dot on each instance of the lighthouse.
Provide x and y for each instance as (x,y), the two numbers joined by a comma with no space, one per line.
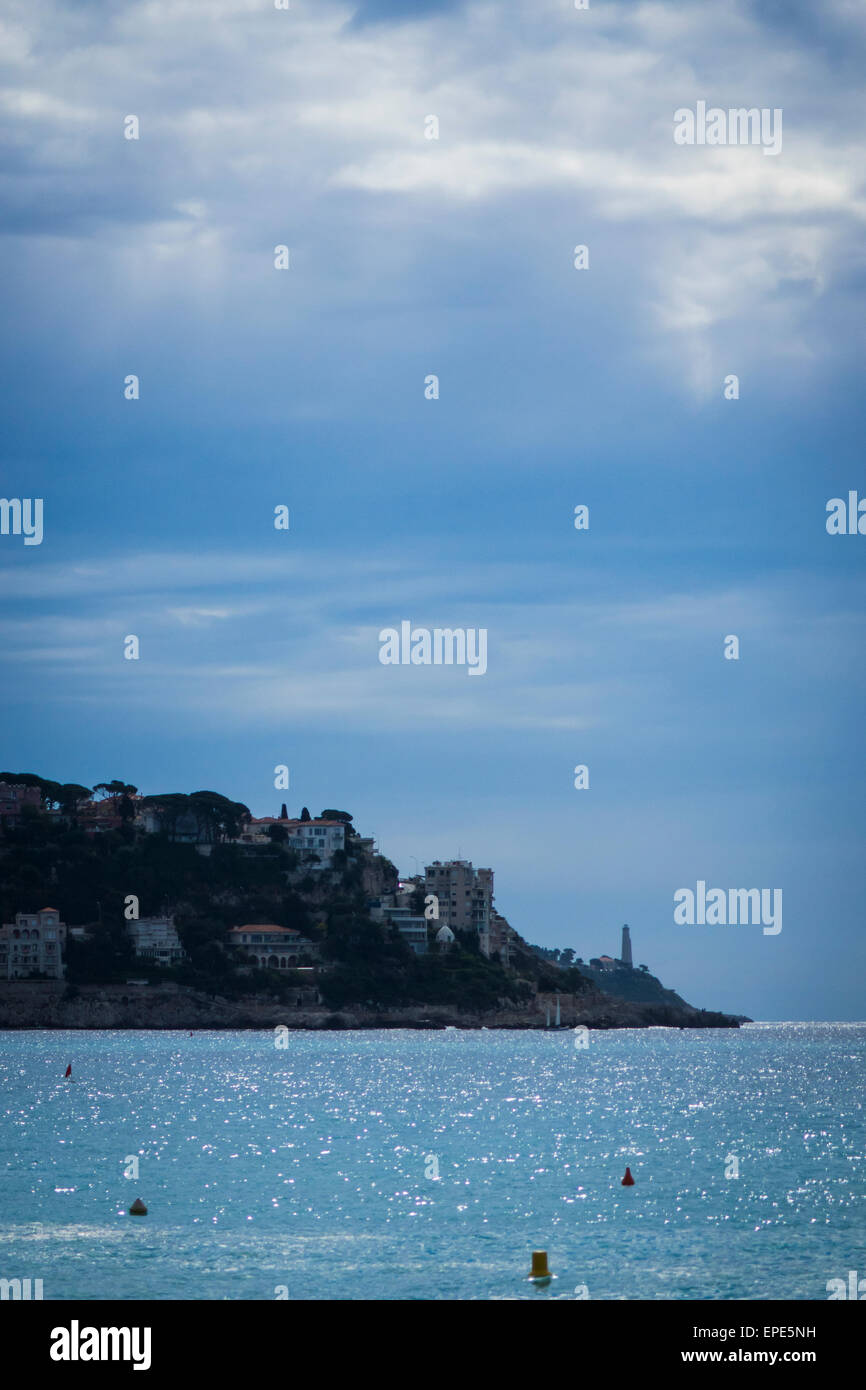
(625,955)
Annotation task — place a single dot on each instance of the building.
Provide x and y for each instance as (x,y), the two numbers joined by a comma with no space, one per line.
(625,957)
(184,828)
(155,939)
(149,819)
(498,938)
(411,926)
(465,897)
(13,798)
(322,838)
(602,963)
(33,945)
(95,816)
(272,947)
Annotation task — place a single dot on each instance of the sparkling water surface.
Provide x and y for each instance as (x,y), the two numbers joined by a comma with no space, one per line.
(311,1169)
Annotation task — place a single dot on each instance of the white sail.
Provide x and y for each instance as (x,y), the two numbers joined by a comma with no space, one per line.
(547,1025)
(558,1020)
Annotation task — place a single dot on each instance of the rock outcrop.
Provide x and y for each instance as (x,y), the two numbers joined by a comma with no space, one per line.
(54,1005)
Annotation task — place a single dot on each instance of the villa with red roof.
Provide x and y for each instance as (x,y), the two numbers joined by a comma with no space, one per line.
(314,837)
(272,947)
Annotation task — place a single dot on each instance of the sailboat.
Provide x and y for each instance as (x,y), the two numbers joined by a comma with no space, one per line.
(557,1022)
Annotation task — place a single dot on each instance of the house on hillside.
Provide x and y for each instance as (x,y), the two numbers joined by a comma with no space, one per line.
(322,838)
(13,799)
(272,947)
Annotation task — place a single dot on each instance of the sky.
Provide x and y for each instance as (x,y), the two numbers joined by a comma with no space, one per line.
(558,387)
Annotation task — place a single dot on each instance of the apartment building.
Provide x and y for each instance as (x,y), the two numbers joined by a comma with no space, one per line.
(155,939)
(411,926)
(33,944)
(465,896)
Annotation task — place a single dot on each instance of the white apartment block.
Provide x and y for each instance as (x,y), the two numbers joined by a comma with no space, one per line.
(319,837)
(156,939)
(411,927)
(33,944)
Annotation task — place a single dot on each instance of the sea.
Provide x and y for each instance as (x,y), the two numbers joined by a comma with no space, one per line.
(431,1164)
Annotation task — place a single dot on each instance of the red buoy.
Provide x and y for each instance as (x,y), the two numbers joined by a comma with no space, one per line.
(628,1180)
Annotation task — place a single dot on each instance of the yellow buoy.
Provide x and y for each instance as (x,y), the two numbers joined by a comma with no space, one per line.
(138,1208)
(540,1273)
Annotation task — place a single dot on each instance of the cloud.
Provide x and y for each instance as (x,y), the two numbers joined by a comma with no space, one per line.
(390,11)
(306,127)
(261,119)
(598,660)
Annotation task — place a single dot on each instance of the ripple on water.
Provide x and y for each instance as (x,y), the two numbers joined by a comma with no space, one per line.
(429,1165)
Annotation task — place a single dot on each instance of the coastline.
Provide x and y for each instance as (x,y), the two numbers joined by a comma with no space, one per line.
(44,1005)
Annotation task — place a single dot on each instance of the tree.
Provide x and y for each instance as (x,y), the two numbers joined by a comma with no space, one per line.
(115,788)
(70,794)
(284,815)
(573,981)
(278,833)
(567,957)
(305,815)
(336,815)
(122,793)
(170,806)
(218,817)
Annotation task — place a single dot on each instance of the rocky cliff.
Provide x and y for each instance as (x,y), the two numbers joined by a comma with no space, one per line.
(52,1005)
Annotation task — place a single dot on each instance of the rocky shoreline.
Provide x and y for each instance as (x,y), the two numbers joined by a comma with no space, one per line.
(50,1005)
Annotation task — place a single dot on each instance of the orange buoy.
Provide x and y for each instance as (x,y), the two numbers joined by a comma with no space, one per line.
(628,1180)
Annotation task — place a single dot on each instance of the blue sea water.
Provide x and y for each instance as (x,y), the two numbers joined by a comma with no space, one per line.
(312,1169)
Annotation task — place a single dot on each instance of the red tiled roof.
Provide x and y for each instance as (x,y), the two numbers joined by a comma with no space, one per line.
(261,926)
